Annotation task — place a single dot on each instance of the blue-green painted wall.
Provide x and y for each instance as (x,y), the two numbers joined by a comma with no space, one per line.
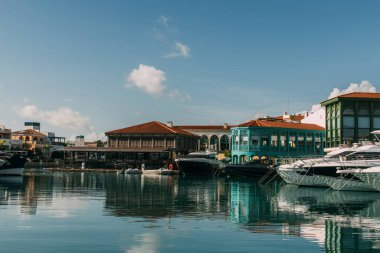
(248,143)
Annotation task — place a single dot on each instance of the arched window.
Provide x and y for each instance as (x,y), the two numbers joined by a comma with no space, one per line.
(214,142)
(204,142)
(224,143)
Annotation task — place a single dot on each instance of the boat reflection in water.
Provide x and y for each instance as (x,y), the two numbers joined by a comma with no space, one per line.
(334,221)
(339,221)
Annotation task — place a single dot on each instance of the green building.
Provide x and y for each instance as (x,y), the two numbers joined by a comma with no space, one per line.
(351,117)
(271,139)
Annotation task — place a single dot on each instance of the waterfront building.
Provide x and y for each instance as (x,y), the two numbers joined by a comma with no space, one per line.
(56,143)
(79,141)
(30,139)
(152,144)
(271,139)
(5,138)
(351,117)
(212,137)
(153,135)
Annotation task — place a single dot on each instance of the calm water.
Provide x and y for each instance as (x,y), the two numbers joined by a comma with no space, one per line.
(103,212)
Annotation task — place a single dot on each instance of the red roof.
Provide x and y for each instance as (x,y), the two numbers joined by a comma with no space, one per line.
(29,132)
(367,95)
(281,124)
(360,95)
(153,127)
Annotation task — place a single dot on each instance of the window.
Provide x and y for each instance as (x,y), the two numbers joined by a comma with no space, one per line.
(159,142)
(348,122)
(254,140)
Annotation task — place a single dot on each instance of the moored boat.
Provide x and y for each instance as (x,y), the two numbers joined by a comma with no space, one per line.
(12,163)
(204,163)
(248,169)
(324,171)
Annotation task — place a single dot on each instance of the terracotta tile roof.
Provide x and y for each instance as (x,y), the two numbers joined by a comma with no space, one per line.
(153,127)
(368,95)
(361,95)
(29,132)
(281,124)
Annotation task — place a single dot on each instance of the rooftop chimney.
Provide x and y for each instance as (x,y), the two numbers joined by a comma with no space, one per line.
(225,125)
(169,123)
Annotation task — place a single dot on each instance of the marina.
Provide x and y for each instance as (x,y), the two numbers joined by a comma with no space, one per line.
(100,212)
(189,126)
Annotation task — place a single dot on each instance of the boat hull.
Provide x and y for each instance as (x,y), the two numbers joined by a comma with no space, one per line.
(197,167)
(248,171)
(11,171)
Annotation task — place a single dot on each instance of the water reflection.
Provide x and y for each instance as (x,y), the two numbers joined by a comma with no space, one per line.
(337,221)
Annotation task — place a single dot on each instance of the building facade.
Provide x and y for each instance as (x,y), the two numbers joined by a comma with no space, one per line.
(5,138)
(153,135)
(271,139)
(31,140)
(153,144)
(351,117)
(211,137)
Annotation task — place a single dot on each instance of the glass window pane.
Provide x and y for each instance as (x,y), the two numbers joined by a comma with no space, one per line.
(348,122)
(348,133)
(363,122)
(348,111)
(363,112)
(376,122)
(363,134)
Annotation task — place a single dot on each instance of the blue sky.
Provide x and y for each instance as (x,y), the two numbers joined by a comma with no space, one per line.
(86,67)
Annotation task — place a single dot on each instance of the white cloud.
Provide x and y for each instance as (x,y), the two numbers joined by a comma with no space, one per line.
(315,108)
(364,86)
(180,50)
(93,136)
(176,94)
(148,79)
(163,20)
(62,117)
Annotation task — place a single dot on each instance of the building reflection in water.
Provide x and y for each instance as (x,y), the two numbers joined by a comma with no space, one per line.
(338,221)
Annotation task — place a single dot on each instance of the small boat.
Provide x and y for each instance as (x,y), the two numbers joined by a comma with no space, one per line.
(130,171)
(160,171)
(12,163)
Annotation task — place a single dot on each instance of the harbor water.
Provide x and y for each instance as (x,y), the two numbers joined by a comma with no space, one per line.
(50,211)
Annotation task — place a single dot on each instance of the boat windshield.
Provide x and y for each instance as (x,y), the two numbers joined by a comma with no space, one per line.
(363,156)
(337,155)
(376,134)
(207,156)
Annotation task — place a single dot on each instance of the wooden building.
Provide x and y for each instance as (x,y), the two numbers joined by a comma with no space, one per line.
(153,144)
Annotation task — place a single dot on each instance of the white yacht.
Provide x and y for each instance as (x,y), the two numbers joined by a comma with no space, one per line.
(301,172)
(337,170)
